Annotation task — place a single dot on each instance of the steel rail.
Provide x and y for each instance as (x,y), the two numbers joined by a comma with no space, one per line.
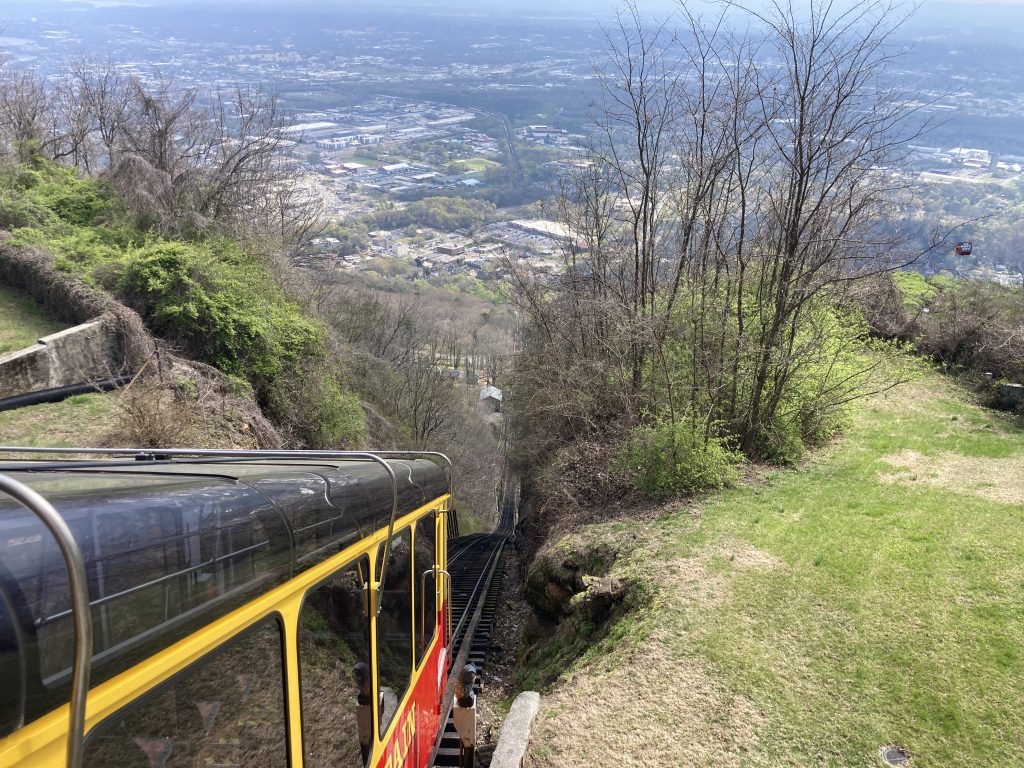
(79,587)
(477,591)
(470,618)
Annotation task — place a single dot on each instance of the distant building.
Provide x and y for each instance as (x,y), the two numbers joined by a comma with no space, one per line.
(972,157)
(451,250)
(312,131)
(550,229)
(540,130)
(336,143)
(491,396)
(325,243)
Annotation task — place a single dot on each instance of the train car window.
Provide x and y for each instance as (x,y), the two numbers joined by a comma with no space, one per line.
(153,562)
(394,626)
(334,670)
(426,611)
(12,669)
(227,709)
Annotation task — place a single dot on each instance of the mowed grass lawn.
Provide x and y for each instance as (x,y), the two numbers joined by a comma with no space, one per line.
(21,322)
(873,596)
(79,420)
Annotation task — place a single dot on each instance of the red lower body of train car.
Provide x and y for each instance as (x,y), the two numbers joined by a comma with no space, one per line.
(419,721)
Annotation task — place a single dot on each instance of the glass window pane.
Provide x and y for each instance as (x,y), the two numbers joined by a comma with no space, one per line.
(426,613)
(334,669)
(12,671)
(226,710)
(394,626)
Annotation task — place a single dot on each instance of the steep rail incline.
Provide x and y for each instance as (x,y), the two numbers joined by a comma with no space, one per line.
(475,563)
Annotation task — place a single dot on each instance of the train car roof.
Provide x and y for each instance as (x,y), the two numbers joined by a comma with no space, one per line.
(172,544)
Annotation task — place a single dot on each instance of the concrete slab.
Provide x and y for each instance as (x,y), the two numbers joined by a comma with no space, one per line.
(515,732)
(72,356)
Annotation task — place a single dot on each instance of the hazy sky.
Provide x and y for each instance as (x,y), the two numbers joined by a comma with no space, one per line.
(502,5)
(1004,17)
(970,10)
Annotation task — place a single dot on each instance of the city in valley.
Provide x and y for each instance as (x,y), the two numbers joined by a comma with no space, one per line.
(394,113)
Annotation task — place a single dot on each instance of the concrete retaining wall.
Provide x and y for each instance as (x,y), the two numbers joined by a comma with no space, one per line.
(73,356)
(31,272)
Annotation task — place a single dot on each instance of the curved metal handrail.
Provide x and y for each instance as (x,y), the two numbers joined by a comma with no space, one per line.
(449,466)
(79,585)
(416,454)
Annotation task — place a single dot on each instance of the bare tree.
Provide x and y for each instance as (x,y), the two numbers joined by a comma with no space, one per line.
(636,117)
(732,195)
(833,123)
(104,94)
(26,120)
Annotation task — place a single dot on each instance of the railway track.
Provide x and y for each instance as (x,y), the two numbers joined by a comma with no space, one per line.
(476,563)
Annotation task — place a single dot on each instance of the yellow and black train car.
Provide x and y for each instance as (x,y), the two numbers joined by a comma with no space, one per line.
(244,609)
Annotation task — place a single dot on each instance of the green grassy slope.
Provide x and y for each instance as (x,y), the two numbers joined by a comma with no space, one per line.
(79,420)
(874,596)
(21,322)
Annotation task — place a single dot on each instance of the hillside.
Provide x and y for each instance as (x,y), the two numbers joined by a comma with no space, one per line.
(148,412)
(872,596)
(238,347)
(21,321)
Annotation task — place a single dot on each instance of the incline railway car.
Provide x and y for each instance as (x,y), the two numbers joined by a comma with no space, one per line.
(245,609)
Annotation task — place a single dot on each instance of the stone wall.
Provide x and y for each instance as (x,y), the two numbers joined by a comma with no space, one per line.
(87,352)
(31,272)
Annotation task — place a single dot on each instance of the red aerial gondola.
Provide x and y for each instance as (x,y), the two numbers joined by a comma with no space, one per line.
(964,249)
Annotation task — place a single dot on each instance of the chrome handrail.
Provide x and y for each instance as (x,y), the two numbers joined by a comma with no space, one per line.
(435,572)
(244,454)
(446,597)
(79,586)
(436,454)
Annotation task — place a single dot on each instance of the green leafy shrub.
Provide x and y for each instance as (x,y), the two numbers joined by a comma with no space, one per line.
(17,211)
(314,410)
(227,311)
(667,459)
(221,308)
(75,200)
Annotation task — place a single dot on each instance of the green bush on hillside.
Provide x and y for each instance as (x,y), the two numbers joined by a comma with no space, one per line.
(667,459)
(73,199)
(223,309)
(17,211)
(314,408)
(212,300)
(207,297)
